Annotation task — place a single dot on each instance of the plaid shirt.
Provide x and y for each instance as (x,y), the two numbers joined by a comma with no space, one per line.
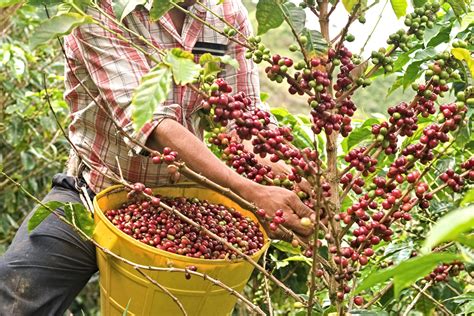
(111,69)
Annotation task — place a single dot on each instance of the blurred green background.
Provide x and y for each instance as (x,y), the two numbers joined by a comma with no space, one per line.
(32,148)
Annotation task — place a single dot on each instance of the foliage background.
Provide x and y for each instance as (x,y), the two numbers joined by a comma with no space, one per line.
(32,148)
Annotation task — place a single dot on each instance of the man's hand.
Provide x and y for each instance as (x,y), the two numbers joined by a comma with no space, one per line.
(198,157)
(271,198)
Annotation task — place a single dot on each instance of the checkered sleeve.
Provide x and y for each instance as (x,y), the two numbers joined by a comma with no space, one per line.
(116,68)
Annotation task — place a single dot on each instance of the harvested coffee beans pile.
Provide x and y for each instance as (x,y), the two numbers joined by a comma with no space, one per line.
(152,225)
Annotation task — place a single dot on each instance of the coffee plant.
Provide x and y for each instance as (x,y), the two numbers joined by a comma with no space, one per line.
(387,238)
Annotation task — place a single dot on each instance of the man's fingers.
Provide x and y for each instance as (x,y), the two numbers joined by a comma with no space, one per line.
(278,234)
(305,186)
(301,209)
(293,222)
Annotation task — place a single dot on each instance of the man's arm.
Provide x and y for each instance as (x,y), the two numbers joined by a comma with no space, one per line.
(199,158)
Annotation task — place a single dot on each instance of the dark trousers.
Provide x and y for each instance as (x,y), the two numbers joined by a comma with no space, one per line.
(43,271)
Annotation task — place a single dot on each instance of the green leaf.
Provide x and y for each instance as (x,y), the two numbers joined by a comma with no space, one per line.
(210,64)
(412,73)
(408,272)
(425,54)
(466,21)
(151,92)
(160,7)
(443,36)
(42,212)
(280,113)
(464,55)
(43,3)
(401,61)
(226,59)
(286,247)
(296,16)
(399,7)
(467,240)
(459,7)
(361,134)
(299,258)
(364,312)
(418,3)
(349,4)
(468,198)
(58,26)
(122,8)
(263,97)
(268,16)
(80,217)
(396,84)
(449,227)
(183,67)
(125,312)
(7,3)
(316,41)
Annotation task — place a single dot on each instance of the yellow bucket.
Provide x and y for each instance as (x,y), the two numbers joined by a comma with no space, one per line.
(122,286)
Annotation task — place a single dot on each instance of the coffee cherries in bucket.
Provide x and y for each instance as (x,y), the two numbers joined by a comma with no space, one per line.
(151,224)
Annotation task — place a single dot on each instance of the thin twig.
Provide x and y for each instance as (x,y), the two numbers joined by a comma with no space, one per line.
(295,34)
(194,16)
(415,300)
(374,28)
(265,286)
(431,298)
(221,19)
(378,295)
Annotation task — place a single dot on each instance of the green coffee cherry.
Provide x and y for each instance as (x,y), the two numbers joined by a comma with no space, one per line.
(303,39)
(350,37)
(293,48)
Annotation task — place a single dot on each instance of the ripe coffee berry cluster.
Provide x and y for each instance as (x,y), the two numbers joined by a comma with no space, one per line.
(324,119)
(432,135)
(168,156)
(279,67)
(344,80)
(361,161)
(246,164)
(469,165)
(425,104)
(386,135)
(442,272)
(404,118)
(225,107)
(151,224)
(453,180)
(272,141)
(451,115)
(356,186)
(277,220)
(309,78)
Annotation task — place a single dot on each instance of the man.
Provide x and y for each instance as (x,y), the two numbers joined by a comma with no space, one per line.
(42,272)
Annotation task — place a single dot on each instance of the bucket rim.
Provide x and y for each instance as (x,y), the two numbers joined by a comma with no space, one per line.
(118,188)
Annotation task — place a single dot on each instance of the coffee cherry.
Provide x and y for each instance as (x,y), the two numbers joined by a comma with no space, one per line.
(153,225)
(306,222)
(358,300)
